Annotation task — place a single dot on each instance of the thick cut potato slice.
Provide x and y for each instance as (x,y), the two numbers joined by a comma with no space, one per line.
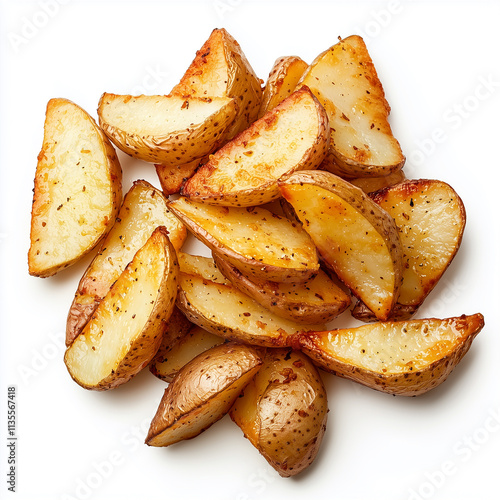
(170,130)
(221,69)
(404,358)
(430,217)
(356,238)
(124,333)
(77,189)
(319,300)
(283,411)
(372,184)
(346,83)
(293,136)
(211,302)
(202,392)
(281,82)
(256,241)
(172,356)
(144,208)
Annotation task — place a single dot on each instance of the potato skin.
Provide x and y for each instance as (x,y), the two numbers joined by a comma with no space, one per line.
(283,411)
(214,377)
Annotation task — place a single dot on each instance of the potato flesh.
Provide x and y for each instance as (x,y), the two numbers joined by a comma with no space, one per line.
(254,234)
(158,115)
(202,266)
(279,143)
(120,319)
(282,81)
(347,241)
(225,311)
(343,79)
(392,348)
(74,201)
(430,218)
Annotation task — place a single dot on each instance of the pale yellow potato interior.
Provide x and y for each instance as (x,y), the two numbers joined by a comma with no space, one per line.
(158,115)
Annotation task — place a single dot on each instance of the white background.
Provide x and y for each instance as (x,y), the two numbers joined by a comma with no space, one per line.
(439,64)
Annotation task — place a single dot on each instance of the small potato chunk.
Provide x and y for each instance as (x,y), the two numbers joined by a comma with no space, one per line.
(282,81)
(292,136)
(211,302)
(319,300)
(77,189)
(144,208)
(170,130)
(430,218)
(405,358)
(172,356)
(283,411)
(254,240)
(124,332)
(346,83)
(221,69)
(202,392)
(372,184)
(356,238)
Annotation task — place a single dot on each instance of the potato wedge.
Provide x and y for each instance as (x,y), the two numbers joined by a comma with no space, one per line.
(217,306)
(256,241)
(202,392)
(124,332)
(292,136)
(283,411)
(356,238)
(170,130)
(405,358)
(346,83)
(281,82)
(173,177)
(144,208)
(430,217)
(372,184)
(77,189)
(319,300)
(172,356)
(221,69)
(201,266)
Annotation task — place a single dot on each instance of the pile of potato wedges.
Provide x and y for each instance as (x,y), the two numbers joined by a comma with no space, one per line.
(297,188)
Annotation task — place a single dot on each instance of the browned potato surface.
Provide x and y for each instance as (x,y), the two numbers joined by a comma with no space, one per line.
(405,358)
(77,189)
(144,208)
(124,332)
(356,238)
(202,392)
(346,83)
(283,411)
(292,136)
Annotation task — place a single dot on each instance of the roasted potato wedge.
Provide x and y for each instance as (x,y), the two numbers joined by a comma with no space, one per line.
(355,237)
(124,332)
(372,184)
(256,241)
(346,83)
(405,358)
(221,69)
(173,177)
(144,208)
(283,411)
(281,82)
(77,189)
(202,392)
(430,217)
(172,356)
(217,306)
(292,136)
(319,300)
(170,130)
